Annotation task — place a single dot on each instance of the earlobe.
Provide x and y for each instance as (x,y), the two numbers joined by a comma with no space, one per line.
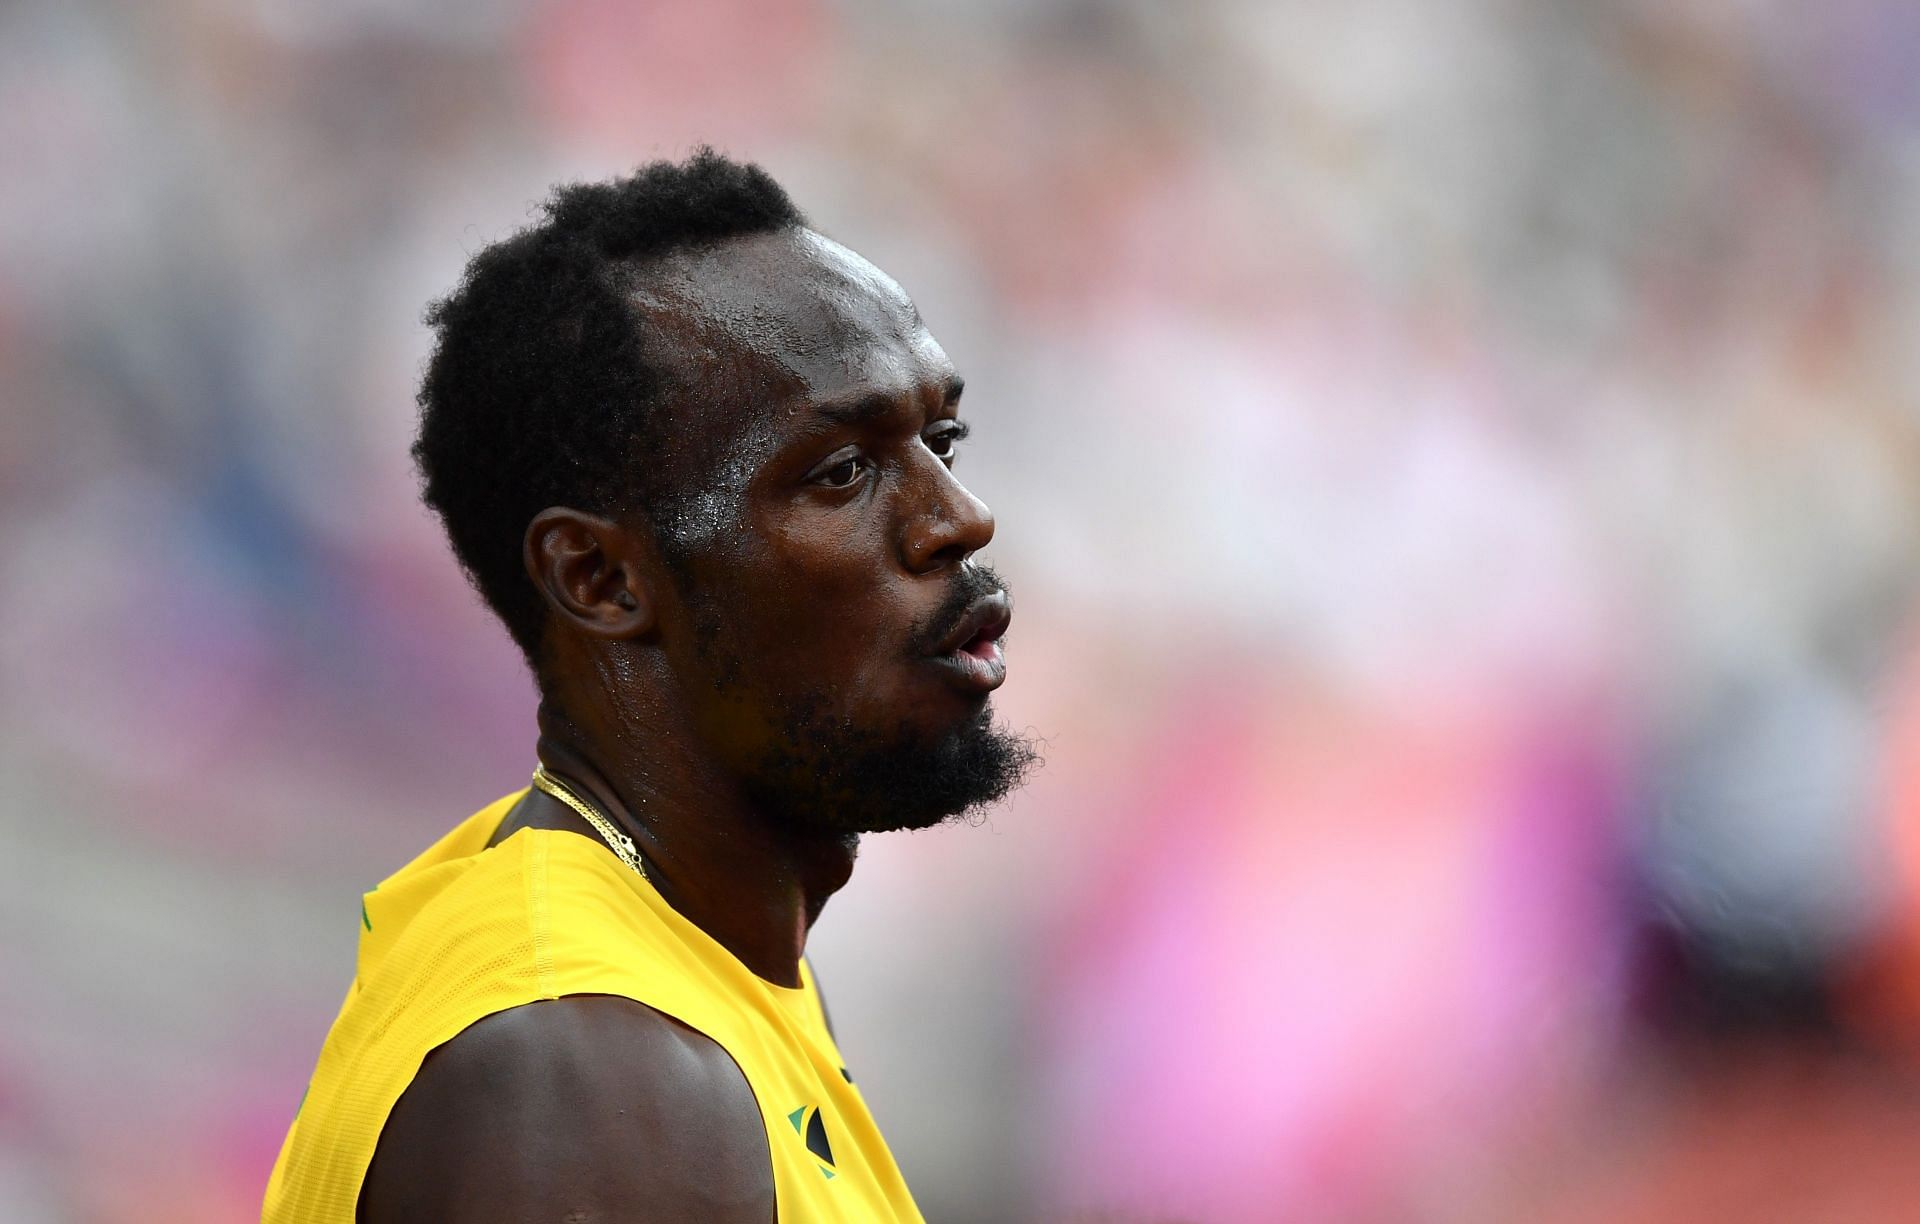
(589,571)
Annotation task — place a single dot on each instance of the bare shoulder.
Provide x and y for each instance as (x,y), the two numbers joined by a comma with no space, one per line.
(586,1108)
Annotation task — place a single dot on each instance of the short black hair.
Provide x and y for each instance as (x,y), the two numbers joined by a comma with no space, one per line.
(542,389)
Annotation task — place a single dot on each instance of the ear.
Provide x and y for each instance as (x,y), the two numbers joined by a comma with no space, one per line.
(592,571)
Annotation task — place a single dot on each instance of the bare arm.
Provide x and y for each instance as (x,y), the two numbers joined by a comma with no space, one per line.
(584,1109)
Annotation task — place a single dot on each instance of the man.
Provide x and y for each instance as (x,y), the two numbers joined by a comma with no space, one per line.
(697,458)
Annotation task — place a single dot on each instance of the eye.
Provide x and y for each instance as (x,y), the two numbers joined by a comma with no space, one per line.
(841,474)
(943,439)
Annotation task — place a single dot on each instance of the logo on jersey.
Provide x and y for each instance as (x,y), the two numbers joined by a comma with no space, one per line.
(811,1127)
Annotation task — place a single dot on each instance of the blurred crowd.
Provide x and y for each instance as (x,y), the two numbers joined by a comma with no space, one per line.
(1457,466)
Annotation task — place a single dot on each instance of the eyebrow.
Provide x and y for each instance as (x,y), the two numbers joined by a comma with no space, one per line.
(878,405)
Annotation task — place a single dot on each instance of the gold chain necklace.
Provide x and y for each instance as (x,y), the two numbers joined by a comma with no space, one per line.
(618,842)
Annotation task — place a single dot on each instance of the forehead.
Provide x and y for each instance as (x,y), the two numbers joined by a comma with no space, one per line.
(802,317)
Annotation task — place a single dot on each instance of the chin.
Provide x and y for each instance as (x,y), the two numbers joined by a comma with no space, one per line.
(841,779)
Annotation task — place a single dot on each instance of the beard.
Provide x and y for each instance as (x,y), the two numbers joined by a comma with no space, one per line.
(831,777)
(818,770)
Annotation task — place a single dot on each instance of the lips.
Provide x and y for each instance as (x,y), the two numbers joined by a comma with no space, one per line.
(970,652)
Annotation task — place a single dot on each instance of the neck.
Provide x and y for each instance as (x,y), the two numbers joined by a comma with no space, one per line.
(738,874)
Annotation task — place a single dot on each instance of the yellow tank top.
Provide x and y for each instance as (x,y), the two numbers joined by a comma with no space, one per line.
(465,931)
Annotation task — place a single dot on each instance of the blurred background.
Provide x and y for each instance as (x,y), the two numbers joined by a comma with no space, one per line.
(1459,469)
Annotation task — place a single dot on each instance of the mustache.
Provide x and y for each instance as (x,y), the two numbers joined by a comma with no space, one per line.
(971,583)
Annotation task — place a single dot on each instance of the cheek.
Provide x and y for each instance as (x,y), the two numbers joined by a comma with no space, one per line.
(833,563)
(826,613)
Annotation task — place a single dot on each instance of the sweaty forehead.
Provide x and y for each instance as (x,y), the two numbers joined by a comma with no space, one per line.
(801,316)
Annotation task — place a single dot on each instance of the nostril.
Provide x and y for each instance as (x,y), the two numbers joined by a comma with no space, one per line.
(952,554)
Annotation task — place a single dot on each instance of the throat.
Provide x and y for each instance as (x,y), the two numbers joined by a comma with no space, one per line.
(759,907)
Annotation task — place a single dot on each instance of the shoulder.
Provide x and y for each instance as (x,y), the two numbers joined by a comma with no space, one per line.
(583,1108)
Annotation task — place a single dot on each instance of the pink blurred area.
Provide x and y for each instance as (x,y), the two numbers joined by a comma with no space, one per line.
(1457,469)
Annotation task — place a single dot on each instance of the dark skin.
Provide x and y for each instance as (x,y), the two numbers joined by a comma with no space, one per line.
(829,531)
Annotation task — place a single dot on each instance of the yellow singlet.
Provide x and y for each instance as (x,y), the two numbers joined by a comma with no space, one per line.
(465,931)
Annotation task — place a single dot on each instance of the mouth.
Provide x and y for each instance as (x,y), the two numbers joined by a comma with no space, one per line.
(970,654)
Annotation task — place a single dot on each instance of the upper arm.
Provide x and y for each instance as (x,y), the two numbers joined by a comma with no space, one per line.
(587,1108)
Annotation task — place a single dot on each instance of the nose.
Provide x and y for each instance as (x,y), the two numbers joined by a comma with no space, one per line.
(947,525)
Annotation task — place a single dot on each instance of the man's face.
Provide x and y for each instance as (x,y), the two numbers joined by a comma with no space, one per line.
(834,640)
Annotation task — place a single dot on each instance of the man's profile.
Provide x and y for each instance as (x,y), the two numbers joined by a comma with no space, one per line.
(697,457)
